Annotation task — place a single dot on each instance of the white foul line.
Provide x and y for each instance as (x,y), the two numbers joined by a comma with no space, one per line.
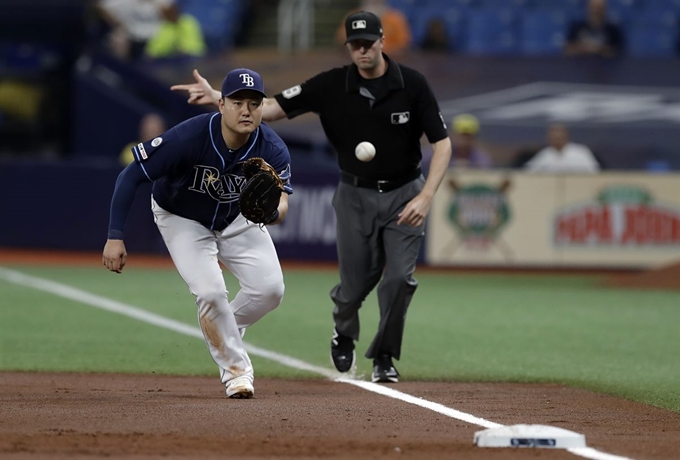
(113,306)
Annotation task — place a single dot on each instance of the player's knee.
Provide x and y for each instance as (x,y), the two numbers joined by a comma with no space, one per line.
(272,295)
(210,297)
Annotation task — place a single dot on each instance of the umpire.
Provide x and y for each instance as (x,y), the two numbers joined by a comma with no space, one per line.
(381,204)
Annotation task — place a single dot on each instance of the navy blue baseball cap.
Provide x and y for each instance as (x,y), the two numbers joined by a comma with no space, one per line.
(240,79)
(363,25)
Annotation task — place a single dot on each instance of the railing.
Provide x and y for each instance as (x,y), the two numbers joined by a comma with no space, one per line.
(296,25)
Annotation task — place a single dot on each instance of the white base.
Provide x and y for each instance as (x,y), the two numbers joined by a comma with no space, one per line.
(529,436)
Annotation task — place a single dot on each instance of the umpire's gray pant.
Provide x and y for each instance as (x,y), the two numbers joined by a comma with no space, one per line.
(372,246)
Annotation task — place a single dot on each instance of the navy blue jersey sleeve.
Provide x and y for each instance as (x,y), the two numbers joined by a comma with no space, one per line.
(307,97)
(165,154)
(124,193)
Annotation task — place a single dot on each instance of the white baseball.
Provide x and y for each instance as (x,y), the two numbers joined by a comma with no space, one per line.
(365,151)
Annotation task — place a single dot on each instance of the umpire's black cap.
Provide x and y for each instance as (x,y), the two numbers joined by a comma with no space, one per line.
(363,26)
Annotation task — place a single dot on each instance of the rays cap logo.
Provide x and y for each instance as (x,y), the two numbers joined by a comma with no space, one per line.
(242,79)
(363,26)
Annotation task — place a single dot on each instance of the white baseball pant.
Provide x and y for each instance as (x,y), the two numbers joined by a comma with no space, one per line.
(249,253)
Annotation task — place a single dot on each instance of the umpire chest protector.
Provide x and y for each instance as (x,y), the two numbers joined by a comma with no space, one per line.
(392,112)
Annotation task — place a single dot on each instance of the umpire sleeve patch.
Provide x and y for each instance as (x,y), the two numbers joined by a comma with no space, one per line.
(291,92)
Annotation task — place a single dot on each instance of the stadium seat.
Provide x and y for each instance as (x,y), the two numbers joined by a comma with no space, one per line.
(542,32)
(651,42)
(573,9)
(560,4)
(502,3)
(653,32)
(402,4)
(220,20)
(622,11)
(491,31)
(664,4)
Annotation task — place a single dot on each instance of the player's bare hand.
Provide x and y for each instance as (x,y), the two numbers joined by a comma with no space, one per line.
(415,212)
(115,255)
(200,93)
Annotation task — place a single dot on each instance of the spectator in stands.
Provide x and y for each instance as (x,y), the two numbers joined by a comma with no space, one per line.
(562,156)
(132,24)
(466,153)
(595,35)
(396,29)
(179,34)
(436,37)
(150,126)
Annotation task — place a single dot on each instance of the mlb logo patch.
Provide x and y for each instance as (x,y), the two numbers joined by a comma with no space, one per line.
(360,24)
(142,151)
(401,118)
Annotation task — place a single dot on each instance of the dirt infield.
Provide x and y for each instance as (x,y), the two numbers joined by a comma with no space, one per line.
(65,416)
(126,416)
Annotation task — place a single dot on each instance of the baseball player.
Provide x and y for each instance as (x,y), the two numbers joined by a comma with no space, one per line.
(196,170)
(381,204)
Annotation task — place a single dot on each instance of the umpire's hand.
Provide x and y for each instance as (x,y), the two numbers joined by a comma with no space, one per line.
(200,93)
(115,255)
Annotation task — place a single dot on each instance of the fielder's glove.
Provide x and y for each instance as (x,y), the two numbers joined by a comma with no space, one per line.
(260,196)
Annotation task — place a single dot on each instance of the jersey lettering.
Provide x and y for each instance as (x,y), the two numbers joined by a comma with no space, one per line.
(223,189)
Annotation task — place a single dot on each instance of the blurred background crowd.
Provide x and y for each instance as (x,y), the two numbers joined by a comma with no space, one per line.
(87,77)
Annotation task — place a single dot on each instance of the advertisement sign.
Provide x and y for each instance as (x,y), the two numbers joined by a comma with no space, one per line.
(515,218)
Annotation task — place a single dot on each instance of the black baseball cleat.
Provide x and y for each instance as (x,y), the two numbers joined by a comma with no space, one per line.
(384,371)
(342,352)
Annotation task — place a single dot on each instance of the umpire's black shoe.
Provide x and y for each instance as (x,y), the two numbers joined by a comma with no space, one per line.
(384,371)
(342,352)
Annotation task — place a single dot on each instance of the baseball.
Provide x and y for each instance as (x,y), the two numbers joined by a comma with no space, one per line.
(365,151)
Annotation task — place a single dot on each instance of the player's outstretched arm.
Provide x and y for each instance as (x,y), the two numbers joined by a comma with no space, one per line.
(200,93)
(115,255)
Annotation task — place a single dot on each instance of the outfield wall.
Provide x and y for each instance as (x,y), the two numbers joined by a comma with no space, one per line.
(505,218)
(498,218)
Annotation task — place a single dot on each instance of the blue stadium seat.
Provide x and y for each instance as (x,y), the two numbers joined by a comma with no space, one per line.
(447,3)
(557,4)
(543,31)
(492,31)
(502,3)
(574,9)
(622,11)
(664,4)
(653,32)
(646,41)
(403,5)
(654,16)
(220,19)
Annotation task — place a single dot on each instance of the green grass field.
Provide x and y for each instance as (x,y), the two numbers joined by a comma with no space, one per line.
(489,328)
